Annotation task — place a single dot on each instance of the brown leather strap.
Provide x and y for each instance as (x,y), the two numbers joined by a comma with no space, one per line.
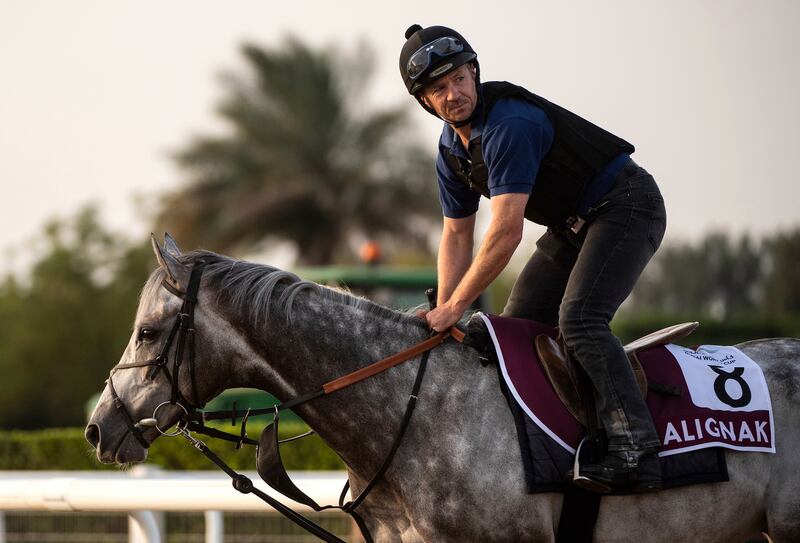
(457,334)
(562,375)
(395,359)
(638,373)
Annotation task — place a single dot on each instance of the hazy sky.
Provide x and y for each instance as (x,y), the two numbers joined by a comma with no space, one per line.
(95,94)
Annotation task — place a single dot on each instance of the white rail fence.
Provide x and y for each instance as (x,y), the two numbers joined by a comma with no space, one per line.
(144,494)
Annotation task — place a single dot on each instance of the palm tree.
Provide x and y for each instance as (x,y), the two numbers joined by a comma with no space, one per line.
(304,161)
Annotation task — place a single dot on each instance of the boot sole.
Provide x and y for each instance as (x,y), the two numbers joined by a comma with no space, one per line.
(591,485)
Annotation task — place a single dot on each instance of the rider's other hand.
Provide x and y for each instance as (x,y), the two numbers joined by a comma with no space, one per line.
(420,313)
(443,317)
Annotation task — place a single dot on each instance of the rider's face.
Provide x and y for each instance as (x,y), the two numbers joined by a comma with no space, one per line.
(454,96)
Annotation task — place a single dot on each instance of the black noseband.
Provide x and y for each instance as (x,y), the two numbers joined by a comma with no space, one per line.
(183,331)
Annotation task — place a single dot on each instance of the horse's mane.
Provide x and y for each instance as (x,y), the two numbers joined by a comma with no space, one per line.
(253,288)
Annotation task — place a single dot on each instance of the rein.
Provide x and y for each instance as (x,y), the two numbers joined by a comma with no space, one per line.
(269,463)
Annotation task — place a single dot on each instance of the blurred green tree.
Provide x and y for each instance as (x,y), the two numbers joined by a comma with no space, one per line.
(782,281)
(304,161)
(66,325)
(717,276)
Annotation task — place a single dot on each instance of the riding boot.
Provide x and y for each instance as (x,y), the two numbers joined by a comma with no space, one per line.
(625,471)
(631,464)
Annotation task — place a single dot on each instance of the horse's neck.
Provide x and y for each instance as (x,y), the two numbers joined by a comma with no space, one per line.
(325,340)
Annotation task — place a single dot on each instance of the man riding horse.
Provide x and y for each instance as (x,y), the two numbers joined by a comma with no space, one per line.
(604,214)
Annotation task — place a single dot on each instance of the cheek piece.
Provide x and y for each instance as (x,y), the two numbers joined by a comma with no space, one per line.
(183,332)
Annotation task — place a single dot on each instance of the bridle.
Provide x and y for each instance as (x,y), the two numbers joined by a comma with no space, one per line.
(183,331)
(270,465)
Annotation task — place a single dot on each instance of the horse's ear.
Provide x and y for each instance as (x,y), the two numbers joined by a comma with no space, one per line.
(170,245)
(178,273)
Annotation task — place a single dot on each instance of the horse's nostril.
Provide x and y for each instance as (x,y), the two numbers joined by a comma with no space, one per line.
(92,434)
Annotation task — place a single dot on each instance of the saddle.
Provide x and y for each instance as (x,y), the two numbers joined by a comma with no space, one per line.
(566,377)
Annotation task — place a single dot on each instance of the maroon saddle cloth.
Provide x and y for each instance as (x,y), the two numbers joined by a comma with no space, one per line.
(548,434)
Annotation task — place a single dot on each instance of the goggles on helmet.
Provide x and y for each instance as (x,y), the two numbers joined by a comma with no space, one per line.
(421,59)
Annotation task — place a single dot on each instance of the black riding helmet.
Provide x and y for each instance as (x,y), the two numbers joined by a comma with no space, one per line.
(430,53)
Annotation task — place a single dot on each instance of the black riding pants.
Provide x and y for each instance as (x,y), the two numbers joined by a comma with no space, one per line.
(579,281)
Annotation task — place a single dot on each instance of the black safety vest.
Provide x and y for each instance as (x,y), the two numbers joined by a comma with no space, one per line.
(580,151)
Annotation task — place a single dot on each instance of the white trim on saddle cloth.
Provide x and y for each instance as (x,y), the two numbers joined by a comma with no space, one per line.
(513,389)
(725,400)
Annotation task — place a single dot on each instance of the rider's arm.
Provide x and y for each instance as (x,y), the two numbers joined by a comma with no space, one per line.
(455,254)
(502,238)
(514,143)
(459,205)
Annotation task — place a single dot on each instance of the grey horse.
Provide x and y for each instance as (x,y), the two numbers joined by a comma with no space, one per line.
(458,475)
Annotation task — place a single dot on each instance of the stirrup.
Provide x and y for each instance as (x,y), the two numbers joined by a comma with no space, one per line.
(585,482)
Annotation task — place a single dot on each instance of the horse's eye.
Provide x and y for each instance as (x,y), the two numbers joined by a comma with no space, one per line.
(147,334)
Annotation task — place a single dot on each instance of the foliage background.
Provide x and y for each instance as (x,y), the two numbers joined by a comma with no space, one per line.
(349,175)
(67,449)
(66,323)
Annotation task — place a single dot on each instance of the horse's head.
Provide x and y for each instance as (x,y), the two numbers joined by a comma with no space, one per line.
(161,374)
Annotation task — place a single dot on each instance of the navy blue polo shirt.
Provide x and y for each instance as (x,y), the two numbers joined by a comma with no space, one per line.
(516,137)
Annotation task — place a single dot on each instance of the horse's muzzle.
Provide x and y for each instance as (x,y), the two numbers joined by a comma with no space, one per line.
(110,451)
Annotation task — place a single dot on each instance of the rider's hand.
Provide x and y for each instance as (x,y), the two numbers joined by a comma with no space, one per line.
(420,313)
(443,317)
